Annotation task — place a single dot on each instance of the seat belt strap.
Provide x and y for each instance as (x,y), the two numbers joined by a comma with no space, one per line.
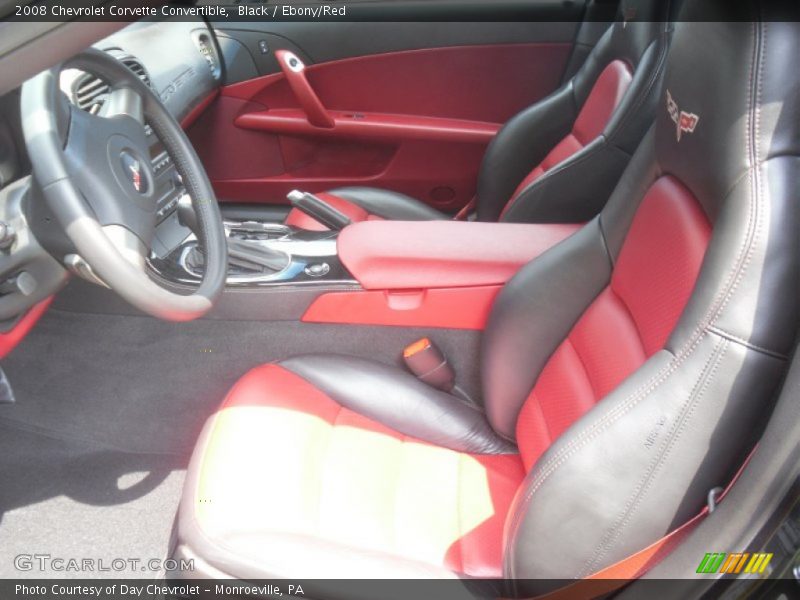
(462,214)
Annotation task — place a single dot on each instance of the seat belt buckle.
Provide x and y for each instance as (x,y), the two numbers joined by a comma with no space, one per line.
(429,364)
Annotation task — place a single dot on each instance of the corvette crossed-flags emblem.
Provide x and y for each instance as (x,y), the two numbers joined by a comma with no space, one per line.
(685,122)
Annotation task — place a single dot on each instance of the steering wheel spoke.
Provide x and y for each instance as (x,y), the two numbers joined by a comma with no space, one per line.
(124,100)
(127,244)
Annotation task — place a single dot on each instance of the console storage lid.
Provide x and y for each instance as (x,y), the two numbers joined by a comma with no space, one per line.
(442,254)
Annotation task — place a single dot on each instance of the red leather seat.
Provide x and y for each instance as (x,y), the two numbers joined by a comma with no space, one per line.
(558,160)
(624,371)
(359,488)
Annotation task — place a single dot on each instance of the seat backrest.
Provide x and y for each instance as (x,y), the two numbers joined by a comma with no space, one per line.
(589,127)
(634,362)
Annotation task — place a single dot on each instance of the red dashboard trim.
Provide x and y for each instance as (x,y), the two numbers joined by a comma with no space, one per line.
(10,339)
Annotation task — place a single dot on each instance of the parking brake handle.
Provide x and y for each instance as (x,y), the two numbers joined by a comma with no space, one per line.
(318,209)
(294,71)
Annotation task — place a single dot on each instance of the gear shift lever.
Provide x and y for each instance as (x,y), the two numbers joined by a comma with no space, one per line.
(246,255)
(243,254)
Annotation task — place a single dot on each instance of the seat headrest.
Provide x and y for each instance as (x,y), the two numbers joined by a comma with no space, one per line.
(638,23)
(645,10)
(718,117)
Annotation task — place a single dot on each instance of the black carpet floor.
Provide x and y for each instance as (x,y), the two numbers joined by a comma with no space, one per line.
(137,384)
(72,500)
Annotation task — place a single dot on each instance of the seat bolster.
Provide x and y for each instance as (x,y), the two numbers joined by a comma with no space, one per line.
(522,143)
(399,400)
(532,316)
(640,463)
(572,192)
(388,204)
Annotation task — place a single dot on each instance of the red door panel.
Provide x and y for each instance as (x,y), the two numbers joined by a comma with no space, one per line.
(415,121)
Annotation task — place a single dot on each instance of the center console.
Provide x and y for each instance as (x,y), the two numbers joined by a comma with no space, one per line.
(259,255)
(418,274)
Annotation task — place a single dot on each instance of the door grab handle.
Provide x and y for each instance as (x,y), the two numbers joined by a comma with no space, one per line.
(294,71)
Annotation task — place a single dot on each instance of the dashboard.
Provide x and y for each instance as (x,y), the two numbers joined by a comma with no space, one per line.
(180,62)
(177,59)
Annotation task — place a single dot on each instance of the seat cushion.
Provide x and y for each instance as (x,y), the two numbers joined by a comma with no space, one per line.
(365,204)
(288,482)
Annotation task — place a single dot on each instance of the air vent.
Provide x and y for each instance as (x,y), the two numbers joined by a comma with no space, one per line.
(90,91)
(137,67)
(206,47)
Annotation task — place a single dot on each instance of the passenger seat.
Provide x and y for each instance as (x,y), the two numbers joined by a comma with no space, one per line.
(558,160)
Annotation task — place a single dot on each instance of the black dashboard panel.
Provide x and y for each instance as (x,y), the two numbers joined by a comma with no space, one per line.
(13,160)
(249,47)
(179,56)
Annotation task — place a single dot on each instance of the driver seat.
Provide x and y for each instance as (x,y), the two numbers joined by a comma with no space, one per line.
(625,372)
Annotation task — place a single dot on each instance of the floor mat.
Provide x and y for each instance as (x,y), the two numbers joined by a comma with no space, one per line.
(69,500)
(137,384)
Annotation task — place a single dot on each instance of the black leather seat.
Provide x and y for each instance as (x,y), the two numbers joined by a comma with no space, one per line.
(558,160)
(625,371)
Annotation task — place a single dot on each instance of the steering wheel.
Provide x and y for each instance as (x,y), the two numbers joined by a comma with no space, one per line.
(96,177)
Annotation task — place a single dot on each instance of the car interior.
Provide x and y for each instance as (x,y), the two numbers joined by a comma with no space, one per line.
(402,300)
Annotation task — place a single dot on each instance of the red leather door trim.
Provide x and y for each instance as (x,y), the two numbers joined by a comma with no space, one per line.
(488,83)
(370,126)
(427,117)
(294,72)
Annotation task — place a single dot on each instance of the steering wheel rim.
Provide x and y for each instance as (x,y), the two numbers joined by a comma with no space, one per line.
(109,215)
